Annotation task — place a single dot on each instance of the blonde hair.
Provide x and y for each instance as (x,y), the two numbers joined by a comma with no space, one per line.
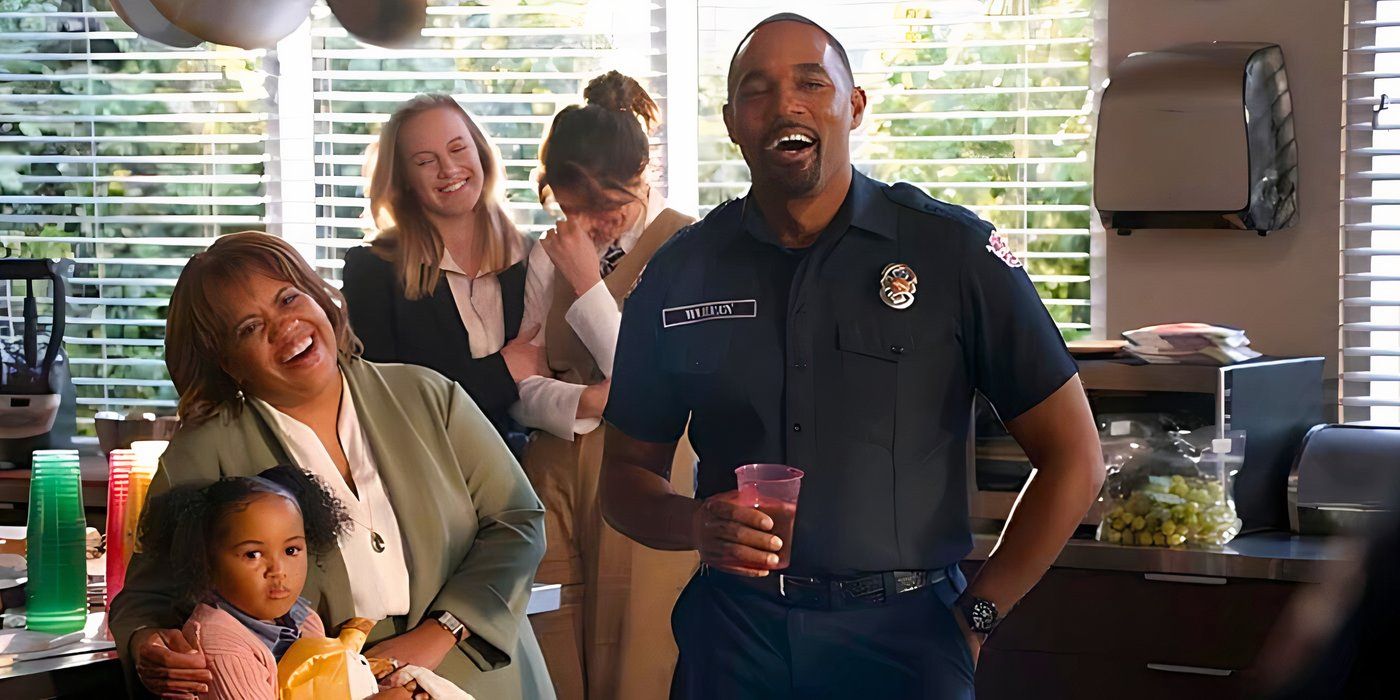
(406,237)
(196,334)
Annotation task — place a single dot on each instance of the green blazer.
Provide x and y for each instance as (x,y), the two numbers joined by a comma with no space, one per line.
(472,526)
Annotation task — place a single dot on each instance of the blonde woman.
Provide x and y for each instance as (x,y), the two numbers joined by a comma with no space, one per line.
(593,167)
(442,284)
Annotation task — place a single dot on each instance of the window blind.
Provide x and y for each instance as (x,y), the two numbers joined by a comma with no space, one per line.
(512,66)
(127,156)
(1370,255)
(985,103)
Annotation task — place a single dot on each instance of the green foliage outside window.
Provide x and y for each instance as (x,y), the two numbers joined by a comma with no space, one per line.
(934,102)
(79,69)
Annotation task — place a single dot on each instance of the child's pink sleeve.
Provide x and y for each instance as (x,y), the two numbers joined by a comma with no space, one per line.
(243,669)
(239,677)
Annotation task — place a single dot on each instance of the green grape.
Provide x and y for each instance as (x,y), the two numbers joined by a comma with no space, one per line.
(1171,511)
(1139,505)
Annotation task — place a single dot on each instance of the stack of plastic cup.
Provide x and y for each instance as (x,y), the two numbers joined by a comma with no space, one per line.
(146,458)
(57,588)
(118,487)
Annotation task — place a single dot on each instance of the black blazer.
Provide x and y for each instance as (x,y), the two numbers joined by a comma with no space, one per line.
(429,332)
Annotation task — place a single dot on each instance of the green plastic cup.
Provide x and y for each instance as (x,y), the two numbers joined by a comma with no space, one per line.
(57,542)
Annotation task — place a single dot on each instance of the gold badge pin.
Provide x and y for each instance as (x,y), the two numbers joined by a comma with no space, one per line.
(897,286)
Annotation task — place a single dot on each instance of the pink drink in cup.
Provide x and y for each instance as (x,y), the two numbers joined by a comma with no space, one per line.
(772,488)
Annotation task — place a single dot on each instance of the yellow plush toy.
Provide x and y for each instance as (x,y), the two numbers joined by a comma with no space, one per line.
(328,668)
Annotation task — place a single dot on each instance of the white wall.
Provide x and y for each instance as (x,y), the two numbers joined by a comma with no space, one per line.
(1283,288)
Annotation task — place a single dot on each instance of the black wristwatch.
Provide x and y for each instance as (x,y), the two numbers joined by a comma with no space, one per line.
(981,615)
(449,622)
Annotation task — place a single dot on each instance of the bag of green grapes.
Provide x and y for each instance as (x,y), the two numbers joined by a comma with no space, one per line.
(1173,492)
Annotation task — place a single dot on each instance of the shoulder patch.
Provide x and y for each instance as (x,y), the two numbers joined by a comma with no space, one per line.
(996,245)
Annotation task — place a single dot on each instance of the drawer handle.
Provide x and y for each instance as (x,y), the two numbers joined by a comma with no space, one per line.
(1192,670)
(1177,578)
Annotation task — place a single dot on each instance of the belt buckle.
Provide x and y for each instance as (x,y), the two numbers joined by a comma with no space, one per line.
(783,579)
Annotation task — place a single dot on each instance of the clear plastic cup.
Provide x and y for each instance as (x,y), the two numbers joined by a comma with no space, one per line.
(773,489)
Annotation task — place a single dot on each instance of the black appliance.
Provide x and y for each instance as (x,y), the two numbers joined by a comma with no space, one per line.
(38,405)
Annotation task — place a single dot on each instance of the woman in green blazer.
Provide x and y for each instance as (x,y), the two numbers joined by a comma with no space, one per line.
(268,372)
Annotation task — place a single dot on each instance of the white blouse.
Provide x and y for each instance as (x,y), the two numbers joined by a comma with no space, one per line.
(378,580)
(552,404)
(478,299)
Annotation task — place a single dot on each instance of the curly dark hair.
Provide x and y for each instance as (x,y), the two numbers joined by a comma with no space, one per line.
(178,527)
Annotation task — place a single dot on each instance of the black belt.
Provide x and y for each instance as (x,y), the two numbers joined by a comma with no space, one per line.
(816,592)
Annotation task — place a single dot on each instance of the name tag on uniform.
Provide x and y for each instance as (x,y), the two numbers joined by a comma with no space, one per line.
(709,311)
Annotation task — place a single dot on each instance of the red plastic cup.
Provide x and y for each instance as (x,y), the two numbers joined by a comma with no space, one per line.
(773,489)
(118,483)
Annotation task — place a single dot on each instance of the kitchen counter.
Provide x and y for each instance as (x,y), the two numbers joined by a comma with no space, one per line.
(91,667)
(1271,556)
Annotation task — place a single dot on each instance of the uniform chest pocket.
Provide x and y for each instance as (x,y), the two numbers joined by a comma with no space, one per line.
(892,342)
(701,348)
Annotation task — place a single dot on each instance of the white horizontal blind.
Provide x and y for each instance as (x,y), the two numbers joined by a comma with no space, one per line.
(983,103)
(512,66)
(1370,332)
(127,156)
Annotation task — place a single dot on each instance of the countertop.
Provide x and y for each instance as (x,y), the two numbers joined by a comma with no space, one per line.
(544,597)
(1272,556)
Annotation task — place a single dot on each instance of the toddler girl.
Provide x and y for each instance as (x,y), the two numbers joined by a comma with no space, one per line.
(240,546)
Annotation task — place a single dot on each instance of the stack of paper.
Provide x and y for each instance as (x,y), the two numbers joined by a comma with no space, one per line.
(1190,344)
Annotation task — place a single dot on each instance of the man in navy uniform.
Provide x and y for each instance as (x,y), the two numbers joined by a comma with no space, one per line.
(840,325)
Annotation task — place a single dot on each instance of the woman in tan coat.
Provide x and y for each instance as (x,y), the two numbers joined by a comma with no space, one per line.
(614,643)
(446,530)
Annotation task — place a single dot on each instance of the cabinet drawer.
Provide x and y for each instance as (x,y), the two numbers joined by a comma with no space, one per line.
(1016,675)
(1191,621)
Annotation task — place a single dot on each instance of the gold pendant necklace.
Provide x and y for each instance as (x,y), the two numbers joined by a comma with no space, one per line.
(376,541)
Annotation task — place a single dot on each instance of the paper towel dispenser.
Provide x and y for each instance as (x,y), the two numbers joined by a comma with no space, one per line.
(1198,136)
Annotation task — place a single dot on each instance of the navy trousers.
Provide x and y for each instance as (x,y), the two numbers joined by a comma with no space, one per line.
(740,643)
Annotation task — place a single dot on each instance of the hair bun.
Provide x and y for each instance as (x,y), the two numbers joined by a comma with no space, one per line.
(615,91)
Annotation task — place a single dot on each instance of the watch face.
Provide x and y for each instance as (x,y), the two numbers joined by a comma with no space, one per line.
(450,623)
(984,615)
